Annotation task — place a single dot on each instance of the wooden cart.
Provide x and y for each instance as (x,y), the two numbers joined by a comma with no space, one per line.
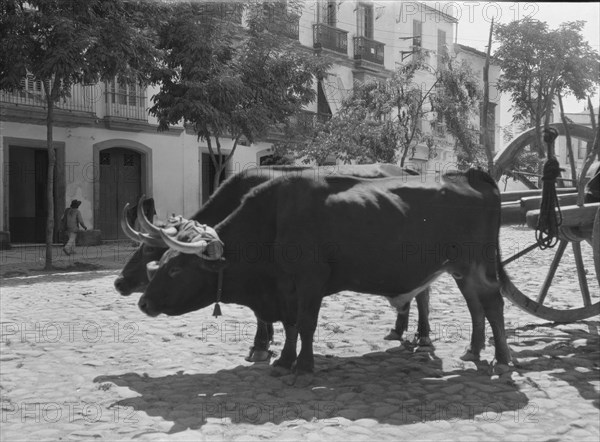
(580,224)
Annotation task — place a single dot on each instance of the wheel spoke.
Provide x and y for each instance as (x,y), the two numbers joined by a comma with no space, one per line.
(585,291)
(521,253)
(562,245)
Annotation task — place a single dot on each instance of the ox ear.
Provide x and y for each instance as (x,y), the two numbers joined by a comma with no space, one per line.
(213,265)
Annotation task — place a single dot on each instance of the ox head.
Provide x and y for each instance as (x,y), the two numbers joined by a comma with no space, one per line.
(133,277)
(186,277)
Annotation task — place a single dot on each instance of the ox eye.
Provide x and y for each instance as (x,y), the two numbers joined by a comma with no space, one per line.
(173,272)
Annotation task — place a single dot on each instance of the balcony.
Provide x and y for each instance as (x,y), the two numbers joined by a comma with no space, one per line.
(126,101)
(28,105)
(80,99)
(298,126)
(306,122)
(328,37)
(369,50)
(287,25)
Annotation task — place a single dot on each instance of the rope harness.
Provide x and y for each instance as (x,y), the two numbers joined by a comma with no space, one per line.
(550,218)
(192,231)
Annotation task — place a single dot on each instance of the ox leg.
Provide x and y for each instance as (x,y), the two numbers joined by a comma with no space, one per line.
(402,314)
(288,354)
(423,329)
(259,352)
(493,305)
(473,351)
(403,311)
(308,315)
(485,301)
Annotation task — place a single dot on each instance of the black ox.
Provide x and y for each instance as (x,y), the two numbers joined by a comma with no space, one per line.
(384,236)
(224,201)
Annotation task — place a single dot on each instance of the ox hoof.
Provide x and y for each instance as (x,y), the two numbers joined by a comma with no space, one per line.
(424,345)
(259,355)
(393,336)
(298,379)
(424,348)
(470,356)
(278,371)
(501,369)
(408,345)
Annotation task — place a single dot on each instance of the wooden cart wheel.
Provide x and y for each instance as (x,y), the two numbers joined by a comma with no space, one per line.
(547,299)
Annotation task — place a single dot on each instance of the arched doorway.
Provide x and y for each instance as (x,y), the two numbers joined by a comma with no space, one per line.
(120,182)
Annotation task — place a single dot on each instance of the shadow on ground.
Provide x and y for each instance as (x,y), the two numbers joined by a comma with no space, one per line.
(570,353)
(78,271)
(393,387)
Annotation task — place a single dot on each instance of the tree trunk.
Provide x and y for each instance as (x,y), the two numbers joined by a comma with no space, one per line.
(486,97)
(50,185)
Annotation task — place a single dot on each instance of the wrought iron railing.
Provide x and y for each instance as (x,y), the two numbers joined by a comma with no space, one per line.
(81,97)
(306,121)
(126,101)
(280,21)
(367,49)
(325,36)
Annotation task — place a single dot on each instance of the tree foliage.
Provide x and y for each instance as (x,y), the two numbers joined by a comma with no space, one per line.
(381,120)
(67,42)
(223,80)
(538,63)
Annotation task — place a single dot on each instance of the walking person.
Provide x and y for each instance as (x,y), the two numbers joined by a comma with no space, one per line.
(70,222)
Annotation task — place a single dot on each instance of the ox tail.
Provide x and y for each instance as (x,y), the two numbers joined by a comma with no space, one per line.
(503,278)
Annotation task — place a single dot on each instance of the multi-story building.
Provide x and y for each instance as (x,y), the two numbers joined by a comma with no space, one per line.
(109,151)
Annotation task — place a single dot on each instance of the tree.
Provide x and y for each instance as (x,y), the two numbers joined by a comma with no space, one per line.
(223,80)
(538,64)
(380,121)
(67,42)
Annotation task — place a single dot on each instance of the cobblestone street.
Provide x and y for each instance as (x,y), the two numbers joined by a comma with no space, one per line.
(80,362)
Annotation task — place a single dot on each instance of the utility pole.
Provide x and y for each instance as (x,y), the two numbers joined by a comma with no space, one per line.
(485,108)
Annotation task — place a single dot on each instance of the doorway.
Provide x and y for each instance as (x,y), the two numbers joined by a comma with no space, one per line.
(120,183)
(28,203)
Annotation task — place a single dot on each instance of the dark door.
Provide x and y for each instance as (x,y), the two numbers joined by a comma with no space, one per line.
(120,183)
(41,200)
(28,203)
(208,176)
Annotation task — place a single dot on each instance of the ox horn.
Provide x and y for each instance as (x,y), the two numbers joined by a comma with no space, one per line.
(134,235)
(144,222)
(194,248)
(127,229)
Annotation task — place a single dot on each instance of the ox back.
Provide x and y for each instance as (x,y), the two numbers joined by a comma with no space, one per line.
(384,236)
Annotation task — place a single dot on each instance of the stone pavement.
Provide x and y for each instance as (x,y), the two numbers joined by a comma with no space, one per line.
(79,362)
(24,260)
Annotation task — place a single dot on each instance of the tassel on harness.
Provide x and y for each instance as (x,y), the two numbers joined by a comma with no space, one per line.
(550,218)
(217,309)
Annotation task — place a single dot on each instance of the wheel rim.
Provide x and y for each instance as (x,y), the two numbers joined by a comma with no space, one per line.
(540,303)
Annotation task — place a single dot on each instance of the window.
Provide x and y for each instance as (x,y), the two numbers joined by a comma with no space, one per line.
(327,13)
(104,158)
(417,35)
(581,149)
(129,160)
(30,84)
(125,93)
(365,19)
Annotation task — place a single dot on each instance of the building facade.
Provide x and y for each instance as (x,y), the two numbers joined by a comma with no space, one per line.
(109,151)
